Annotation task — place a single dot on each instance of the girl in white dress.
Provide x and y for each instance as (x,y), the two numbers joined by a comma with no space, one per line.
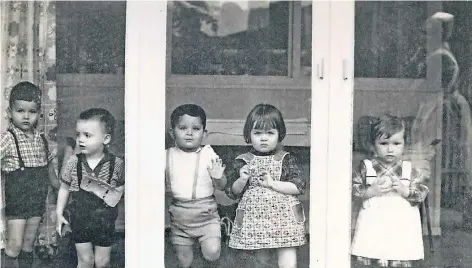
(388,230)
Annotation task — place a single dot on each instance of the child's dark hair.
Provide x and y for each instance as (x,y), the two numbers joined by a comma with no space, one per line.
(103,115)
(187,109)
(264,116)
(25,91)
(387,126)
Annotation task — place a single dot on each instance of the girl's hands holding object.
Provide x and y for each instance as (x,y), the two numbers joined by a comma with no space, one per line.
(245,173)
(217,168)
(267,180)
(400,188)
(381,186)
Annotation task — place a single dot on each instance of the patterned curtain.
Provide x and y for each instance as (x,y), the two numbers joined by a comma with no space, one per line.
(28,44)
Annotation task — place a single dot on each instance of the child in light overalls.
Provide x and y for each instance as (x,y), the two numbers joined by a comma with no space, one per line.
(192,174)
(388,231)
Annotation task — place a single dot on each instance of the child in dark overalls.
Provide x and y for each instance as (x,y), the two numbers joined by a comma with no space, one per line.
(89,177)
(27,171)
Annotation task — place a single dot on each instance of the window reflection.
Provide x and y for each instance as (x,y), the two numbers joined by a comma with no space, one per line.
(230,37)
(390,39)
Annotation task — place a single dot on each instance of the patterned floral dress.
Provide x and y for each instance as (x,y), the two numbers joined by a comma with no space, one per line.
(266,218)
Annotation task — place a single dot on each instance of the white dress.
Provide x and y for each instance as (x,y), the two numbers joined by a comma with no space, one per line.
(388,227)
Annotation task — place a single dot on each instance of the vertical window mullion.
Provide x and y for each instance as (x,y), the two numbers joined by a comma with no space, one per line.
(169,39)
(296,35)
(290,40)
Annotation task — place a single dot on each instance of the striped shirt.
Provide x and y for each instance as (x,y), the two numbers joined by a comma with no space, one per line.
(32,150)
(100,172)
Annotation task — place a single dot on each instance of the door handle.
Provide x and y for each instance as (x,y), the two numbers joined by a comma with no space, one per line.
(345,70)
(320,70)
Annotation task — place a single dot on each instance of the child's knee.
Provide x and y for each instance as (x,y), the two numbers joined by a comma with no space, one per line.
(185,255)
(14,246)
(85,259)
(211,250)
(102,261)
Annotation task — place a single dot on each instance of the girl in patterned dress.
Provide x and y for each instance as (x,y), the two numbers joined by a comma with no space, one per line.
(267,179)
(388,230)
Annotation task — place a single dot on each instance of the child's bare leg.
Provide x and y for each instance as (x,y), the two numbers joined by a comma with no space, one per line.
(102,257)
(185,255)
(15,231)
(287,257)
(263,258)
(26,256)
(29,236)
(85,255)
(211,248)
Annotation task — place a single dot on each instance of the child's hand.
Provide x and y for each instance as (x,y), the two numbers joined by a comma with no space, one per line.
(60,220)
(400,188)
(216,169)
(267,180)
(379,187)
(245,173)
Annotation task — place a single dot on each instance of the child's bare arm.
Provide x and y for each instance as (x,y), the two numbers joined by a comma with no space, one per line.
(284,187)
(53,176)
(62,198)
(216,171)
(240,183)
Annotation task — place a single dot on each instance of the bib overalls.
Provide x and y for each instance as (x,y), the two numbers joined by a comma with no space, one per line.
(91,219)
(26,188)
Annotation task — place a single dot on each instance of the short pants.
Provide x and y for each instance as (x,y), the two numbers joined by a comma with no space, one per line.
(195,219)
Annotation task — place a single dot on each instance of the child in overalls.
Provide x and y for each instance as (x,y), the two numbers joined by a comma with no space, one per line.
(192,174)
(388,231)
(27,172)
(92,218)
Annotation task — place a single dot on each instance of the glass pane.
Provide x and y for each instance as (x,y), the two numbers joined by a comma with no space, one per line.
(425,122)
(391,41)
(230,37)
(307,9)
(90,37)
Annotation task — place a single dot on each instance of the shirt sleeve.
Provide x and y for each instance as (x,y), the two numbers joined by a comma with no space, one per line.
(291,172)
(71,165)
(418,188)
(120,171)
(232,175)
(358,177)
(5,144)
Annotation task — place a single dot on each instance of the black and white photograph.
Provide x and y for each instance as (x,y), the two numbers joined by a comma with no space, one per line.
(288,134)
(238,113)
(63,134)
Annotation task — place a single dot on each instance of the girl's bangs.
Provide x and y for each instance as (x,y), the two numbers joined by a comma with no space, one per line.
(264,123)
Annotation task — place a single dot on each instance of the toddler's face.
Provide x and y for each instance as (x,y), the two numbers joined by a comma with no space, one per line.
(264,140)
(91,136)
(188,133)
(390,150)
(24,115)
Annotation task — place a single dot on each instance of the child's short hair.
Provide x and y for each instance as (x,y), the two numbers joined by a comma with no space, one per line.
(187,109)
(264,116)
(102,115)
(25,91)
(387,126)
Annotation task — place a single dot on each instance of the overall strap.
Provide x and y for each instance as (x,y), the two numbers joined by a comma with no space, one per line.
(46,146)
(79,169)
(406,170)
(20,159)
(195,177)
(111,169)
(371,174)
